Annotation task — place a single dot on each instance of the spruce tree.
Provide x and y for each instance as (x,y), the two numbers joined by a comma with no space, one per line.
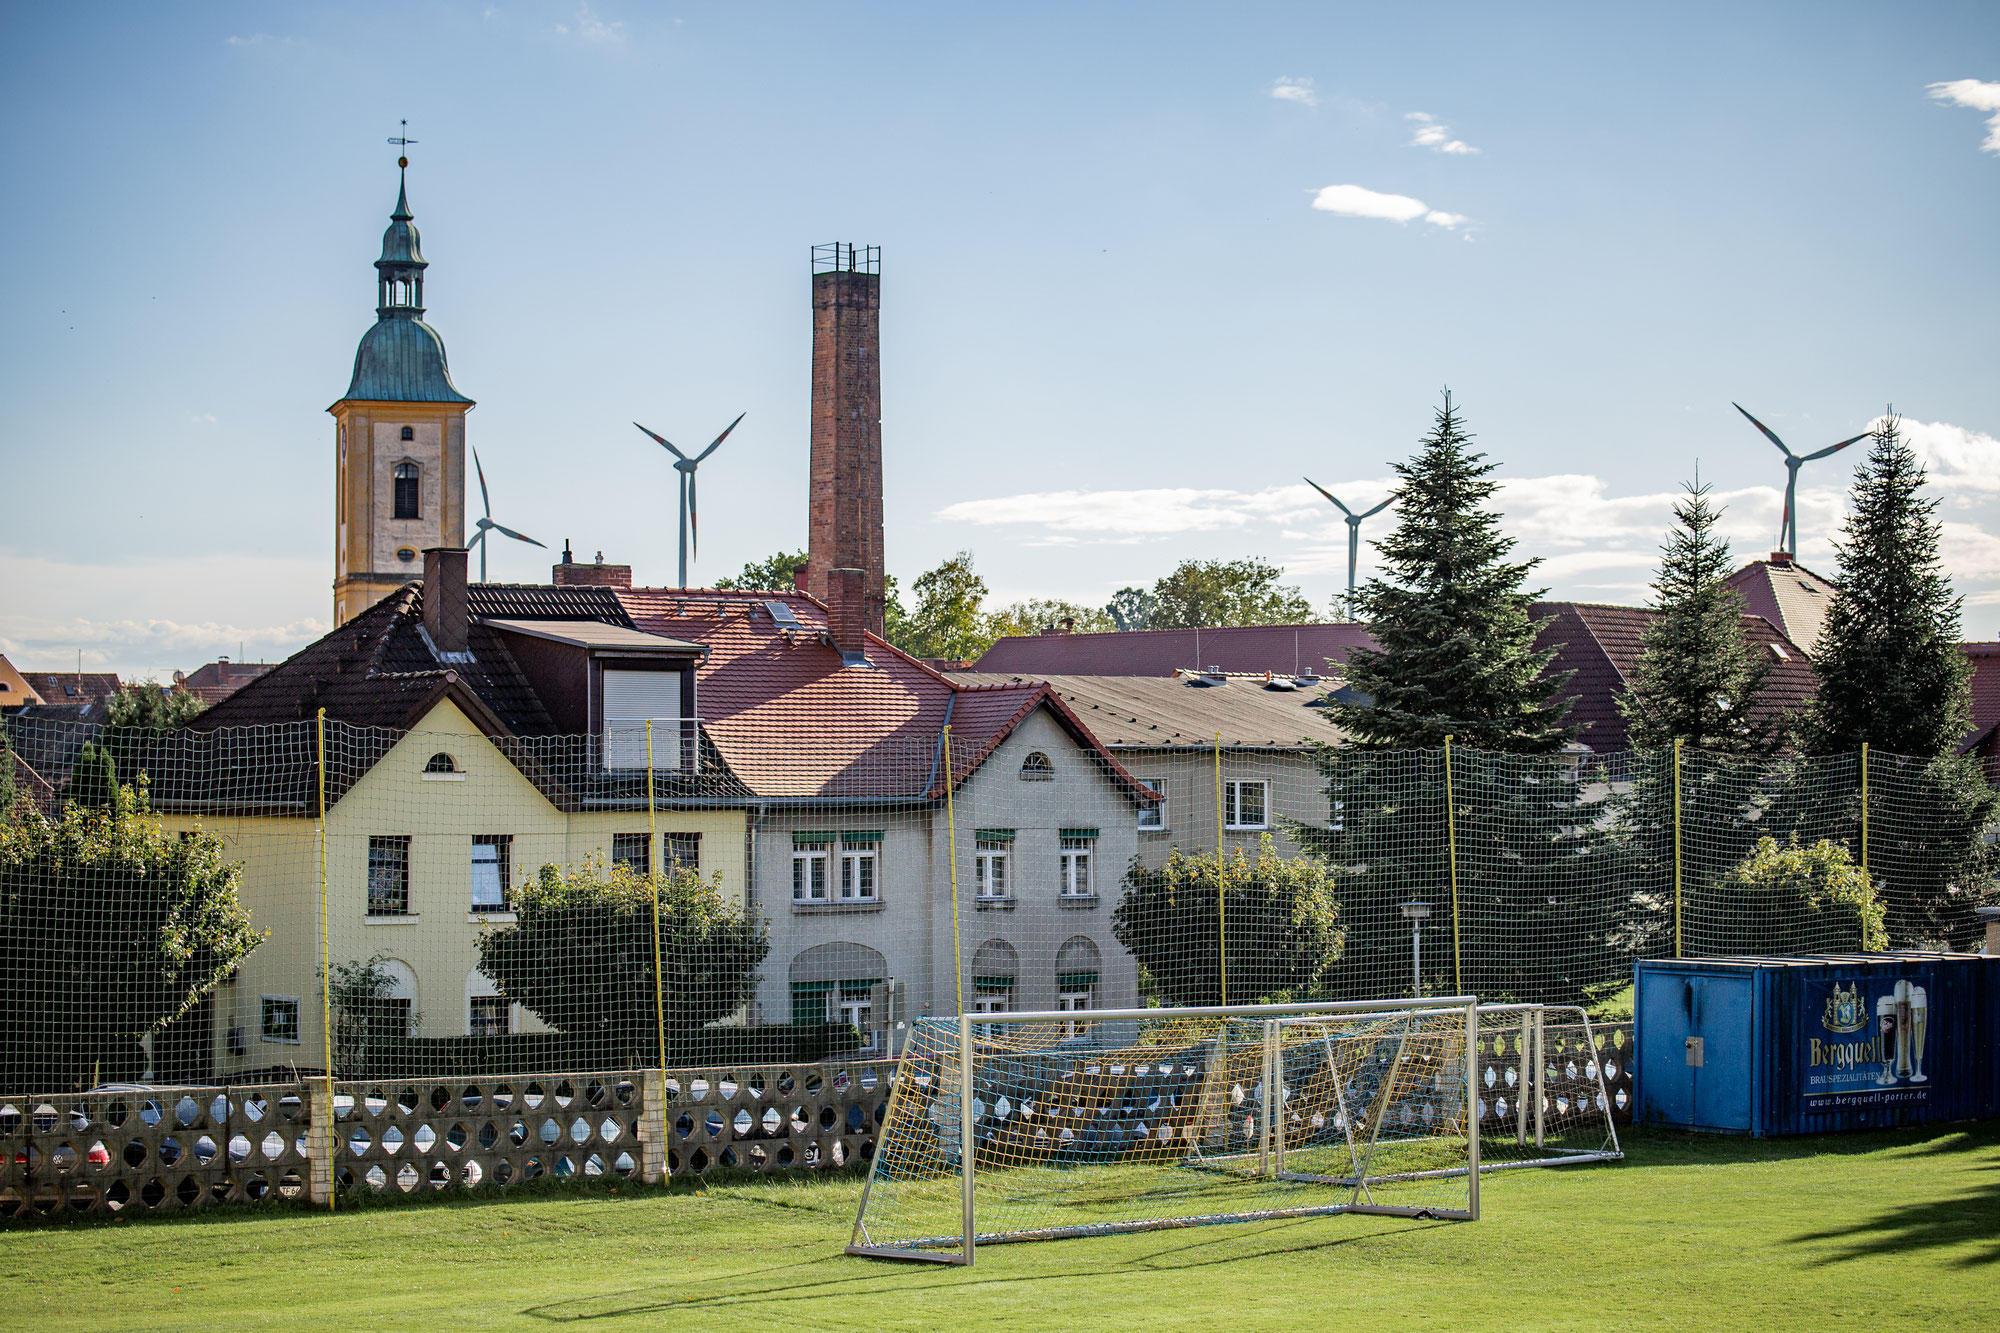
(1890,669)
(1456,648)
(1698,676)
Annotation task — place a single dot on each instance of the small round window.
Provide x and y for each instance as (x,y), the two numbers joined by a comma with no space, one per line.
(1037,768)
(441,763)
(406,554)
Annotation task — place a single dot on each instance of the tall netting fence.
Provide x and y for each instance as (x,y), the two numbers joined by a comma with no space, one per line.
(691,945)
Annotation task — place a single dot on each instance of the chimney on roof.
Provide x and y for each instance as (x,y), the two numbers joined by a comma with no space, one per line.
(802,577)
(446,608)
(566,555)
(570,574)
(844,509)
(844,619)
(1781,557)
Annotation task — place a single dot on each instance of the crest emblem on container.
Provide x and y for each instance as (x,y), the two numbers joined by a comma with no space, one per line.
(1844,1010)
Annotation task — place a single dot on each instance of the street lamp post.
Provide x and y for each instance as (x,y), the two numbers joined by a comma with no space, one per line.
(1416,913)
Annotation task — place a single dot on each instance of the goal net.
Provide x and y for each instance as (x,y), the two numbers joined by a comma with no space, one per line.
(1544,1074)
(1036,1126)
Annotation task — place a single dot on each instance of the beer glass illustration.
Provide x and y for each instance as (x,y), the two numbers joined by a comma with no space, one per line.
(1885,1033)
(1920,1012)
(1903,1029)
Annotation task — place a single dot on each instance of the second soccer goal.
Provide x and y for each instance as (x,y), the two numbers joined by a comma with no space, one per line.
(1035,1126)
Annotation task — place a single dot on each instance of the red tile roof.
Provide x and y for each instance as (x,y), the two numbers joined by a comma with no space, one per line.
(1985,691)
(1788,595)
(792,720)
(72,687)
(216,681)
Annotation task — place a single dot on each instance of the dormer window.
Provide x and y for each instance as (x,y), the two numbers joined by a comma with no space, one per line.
(441,763)
(409,432)
(1037,768)
(631,700)
(407,476)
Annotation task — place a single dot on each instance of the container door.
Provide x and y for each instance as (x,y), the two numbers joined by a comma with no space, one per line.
(1723,1020)
(1664,1021)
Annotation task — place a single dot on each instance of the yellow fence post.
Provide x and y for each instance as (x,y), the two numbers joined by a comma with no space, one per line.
(653,858)
(1451,844)
(1869,901)
(1221,881)
(951,855)
(326,973)
(1677,847)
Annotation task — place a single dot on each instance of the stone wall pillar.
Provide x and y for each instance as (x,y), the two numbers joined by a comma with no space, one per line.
(321,1137)
(653,1127)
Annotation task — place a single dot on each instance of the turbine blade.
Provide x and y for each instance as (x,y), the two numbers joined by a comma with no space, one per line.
(661,440)
(1329,495)
(1766,429)
(506,531)
(720,438)
(478,536)
(1380,507)
(1834,448)
(485,501)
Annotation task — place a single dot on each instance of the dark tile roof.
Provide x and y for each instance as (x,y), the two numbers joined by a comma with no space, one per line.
(72,687)
(47,737)
(1162,652)
(216,681)
(1127,712)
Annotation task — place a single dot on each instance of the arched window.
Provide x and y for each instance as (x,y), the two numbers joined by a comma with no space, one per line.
(409,432)
(441,763)
(835,983)
(1078,963)
(406,490)
(487,1012)
(996,970)
(1037,768)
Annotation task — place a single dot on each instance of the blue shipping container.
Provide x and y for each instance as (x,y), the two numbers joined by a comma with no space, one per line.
(1817,1044)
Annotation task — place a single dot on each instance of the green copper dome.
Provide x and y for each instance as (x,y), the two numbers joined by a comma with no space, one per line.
(401,359)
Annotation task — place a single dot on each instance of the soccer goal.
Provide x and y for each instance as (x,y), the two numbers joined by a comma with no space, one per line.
(1544,1095)
(1037,1126)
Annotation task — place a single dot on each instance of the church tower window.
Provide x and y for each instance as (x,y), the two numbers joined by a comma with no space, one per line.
(409,432)
(407,476)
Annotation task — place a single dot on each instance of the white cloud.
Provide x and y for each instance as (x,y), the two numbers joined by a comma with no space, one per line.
(1976,96)
(1430,134)
(1356,201)
(147,617)
(1970,552)
(1295,90)
(1957,458)
(1149,513)
(592,28)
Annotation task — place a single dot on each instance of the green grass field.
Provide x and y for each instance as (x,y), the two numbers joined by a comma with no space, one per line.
(1894,1230)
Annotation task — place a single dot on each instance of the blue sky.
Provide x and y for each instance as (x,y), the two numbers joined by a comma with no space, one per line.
(1144,267)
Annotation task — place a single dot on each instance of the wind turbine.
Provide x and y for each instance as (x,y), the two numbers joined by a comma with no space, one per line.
(686,466)
(1788,532)
(1353,536)
(486,523)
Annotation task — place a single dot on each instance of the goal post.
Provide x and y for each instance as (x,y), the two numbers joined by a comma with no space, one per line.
(1544,1092)
(1033,1126)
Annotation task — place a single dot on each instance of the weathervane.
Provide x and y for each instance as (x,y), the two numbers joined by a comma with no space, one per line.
(1788,531)
(402,140)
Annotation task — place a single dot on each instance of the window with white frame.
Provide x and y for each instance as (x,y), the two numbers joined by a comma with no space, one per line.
(859,860)
(281,1018)
(991,851)
(1246,804)
(1076,1000)
(492,857)
(993,995)
(631,700)
(1154,817)
(389,875)
(488,1016)
(853,1003)
(1077,845)
(810,854)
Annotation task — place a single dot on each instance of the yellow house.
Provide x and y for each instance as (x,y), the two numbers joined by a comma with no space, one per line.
(462,752)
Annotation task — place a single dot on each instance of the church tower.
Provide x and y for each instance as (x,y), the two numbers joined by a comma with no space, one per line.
(399,434)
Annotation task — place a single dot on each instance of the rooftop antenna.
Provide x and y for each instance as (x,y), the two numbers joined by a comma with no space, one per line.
(1353,536)
(486,523)
(686,466)
(1788,531)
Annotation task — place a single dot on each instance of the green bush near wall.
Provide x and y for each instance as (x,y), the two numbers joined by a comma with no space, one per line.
(561,1053)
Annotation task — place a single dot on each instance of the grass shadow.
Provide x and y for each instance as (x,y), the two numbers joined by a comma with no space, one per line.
(1968,1221)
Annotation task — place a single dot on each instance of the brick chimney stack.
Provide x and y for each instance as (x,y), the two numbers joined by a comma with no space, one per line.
(446,607)
(844,533)
(844,604)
